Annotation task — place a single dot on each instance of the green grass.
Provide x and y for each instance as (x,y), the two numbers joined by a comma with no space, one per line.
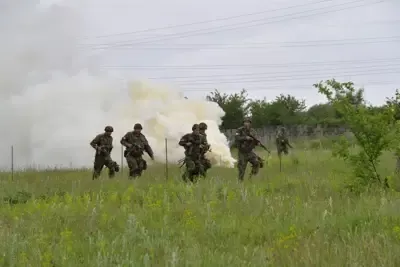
(300,217)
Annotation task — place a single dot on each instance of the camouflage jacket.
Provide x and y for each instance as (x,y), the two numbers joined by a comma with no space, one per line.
(102,143)
(206,145)
(243,145)
(139,144)
(195,149)
(281,138)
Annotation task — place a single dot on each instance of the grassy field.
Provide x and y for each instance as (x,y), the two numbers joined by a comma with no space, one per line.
(300,217)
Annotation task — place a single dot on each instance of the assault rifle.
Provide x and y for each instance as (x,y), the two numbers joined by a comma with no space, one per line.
(195,142)
(259,142)
(103,150)
(131,149)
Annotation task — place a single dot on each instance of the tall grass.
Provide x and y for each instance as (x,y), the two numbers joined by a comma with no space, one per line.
(300,217)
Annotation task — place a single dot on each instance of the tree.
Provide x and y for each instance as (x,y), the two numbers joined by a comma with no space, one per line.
(283,110)
(236,107)
(323,114)
(373,131)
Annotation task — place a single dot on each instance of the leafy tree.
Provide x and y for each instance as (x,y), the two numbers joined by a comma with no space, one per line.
(291,105)
(323,114)
(373,131)
(283,110)
(236,107)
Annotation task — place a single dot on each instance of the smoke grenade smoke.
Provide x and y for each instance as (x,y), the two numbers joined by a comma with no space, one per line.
(53,103)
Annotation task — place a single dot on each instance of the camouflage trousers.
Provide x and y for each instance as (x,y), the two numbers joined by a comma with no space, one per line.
(104,160)
(194,167)
(282,148)
(252,158)
(206,164)
(136,165)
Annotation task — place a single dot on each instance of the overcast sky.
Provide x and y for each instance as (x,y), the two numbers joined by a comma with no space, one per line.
(268,47)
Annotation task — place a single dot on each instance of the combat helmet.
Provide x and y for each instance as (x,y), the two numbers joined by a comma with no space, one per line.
(203,126)
(247,119)
(195,127)
(137,126)
(109,129)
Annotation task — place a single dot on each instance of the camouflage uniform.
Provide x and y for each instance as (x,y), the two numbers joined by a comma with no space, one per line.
(206,147)
(136,143)
(103,145)
(282,142)
(246,145)
(192,142)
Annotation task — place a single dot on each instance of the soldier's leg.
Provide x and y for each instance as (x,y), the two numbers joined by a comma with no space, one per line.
(242,165)
(255,163)
(142,166)
(98,166)
(279,150)
(285,149)
(190,169)
(207,165)
(200,170)
(112,167)
(261,162)
(132,165)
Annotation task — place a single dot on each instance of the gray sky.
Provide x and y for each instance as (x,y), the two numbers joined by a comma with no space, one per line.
(366,35)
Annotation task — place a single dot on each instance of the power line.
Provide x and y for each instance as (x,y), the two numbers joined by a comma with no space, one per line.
(199,32)
(280,87)
(275,73)
(207,21)
(288,77)
(262,45)
(275,65)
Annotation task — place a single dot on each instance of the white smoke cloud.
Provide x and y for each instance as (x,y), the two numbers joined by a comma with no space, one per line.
(52,104)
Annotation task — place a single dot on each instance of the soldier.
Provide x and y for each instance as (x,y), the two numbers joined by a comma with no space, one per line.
(282,141)
(192,142)
(102,143)
(246,143)
(206,147)
(136,143)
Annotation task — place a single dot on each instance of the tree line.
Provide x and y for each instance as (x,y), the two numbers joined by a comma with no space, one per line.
(283,110)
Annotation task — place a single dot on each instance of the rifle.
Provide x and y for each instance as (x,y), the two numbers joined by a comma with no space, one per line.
(181,162)
(131,149)
(259,142)
(196,142)
(103,150)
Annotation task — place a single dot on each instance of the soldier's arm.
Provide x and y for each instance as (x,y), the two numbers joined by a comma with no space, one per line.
(254,134)
(184,140)
(124,141)
(205,142)
(147,147)
(111,145)
(287,142)
(239,137)
(95,142)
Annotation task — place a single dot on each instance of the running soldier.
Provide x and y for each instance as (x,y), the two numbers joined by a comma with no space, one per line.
(192,142)
(206,147)
(102,143)
(135,144)
(246,141)
(282,141)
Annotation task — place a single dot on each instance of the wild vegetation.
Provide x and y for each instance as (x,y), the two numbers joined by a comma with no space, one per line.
(334,205)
